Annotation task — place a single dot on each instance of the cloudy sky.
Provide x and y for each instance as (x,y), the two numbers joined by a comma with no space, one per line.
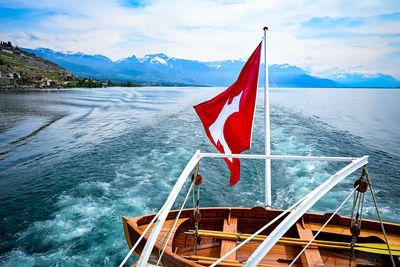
(323,37)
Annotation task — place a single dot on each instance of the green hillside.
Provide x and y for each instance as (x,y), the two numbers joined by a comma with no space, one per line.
(23,69)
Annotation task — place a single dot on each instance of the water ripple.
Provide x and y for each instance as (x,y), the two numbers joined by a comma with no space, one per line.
(118,152)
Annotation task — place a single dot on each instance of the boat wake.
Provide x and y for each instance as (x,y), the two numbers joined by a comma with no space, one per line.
(124,159)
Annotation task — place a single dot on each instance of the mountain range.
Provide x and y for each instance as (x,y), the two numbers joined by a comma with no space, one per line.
(163,70)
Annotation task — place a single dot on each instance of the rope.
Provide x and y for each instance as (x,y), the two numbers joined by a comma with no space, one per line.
(196,223)
(196,207)
(355,199)
(294,241)
(365,170)
(148,227)
(362,207)
(353,253)
(173,225)
(326,223)
(258,232)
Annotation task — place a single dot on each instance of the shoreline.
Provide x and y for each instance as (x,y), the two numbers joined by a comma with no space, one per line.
(55,89)
(34,89)
(43,89)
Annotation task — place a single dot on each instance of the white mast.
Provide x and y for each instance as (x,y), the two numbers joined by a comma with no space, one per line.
(267,129)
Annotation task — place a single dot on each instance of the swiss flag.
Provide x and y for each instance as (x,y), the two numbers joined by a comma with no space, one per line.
(228,117)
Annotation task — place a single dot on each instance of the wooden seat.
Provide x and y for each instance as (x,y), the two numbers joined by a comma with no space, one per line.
(312,254)
(230,225)
(233,263)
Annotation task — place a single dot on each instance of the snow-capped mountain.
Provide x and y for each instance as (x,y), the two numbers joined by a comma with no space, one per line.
(161,69)
(355,79)
(155,59)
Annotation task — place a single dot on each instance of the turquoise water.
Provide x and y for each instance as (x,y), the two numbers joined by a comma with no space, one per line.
(73,162)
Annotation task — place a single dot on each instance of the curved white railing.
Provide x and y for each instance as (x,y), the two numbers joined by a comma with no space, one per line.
(296,214)
(148,248)
(303,206)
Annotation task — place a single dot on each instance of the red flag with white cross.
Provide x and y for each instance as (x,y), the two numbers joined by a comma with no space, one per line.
(228,117)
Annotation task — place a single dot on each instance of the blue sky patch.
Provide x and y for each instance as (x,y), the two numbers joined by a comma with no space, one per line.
(18,19)
(390,17)
(328,22)
(393,54)
(12,13)
(133,3)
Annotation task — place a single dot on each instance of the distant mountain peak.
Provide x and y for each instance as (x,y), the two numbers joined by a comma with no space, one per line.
(155,59)
(160,69)
(160,55)
(214,65)
(126,59)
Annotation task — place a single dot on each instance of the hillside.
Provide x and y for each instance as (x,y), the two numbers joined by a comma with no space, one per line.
(19,68)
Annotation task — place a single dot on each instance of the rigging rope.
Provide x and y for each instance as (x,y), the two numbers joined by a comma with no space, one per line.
(355,225)
(197,179)
(358,202)
(169,234)
(258,232)
(148,227)
(326,223)
(140,238)
(365,171)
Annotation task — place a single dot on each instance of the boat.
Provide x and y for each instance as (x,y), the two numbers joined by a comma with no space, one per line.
(262,236)
(223,228)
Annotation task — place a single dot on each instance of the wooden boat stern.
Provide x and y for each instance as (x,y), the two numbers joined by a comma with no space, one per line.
(222,229)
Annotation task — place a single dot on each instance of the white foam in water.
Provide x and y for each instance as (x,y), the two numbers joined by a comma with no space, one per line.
(134,145)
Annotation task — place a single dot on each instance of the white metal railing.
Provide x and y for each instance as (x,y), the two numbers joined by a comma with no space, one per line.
(323,226)
(296,214)
(302,206)
(148,248)
(276,157)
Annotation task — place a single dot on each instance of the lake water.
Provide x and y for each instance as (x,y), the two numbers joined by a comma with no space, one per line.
(73,162)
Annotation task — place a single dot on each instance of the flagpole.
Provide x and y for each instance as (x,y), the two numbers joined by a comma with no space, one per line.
(267,129)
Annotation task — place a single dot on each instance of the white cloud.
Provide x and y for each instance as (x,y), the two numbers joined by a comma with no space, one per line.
(216,30)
